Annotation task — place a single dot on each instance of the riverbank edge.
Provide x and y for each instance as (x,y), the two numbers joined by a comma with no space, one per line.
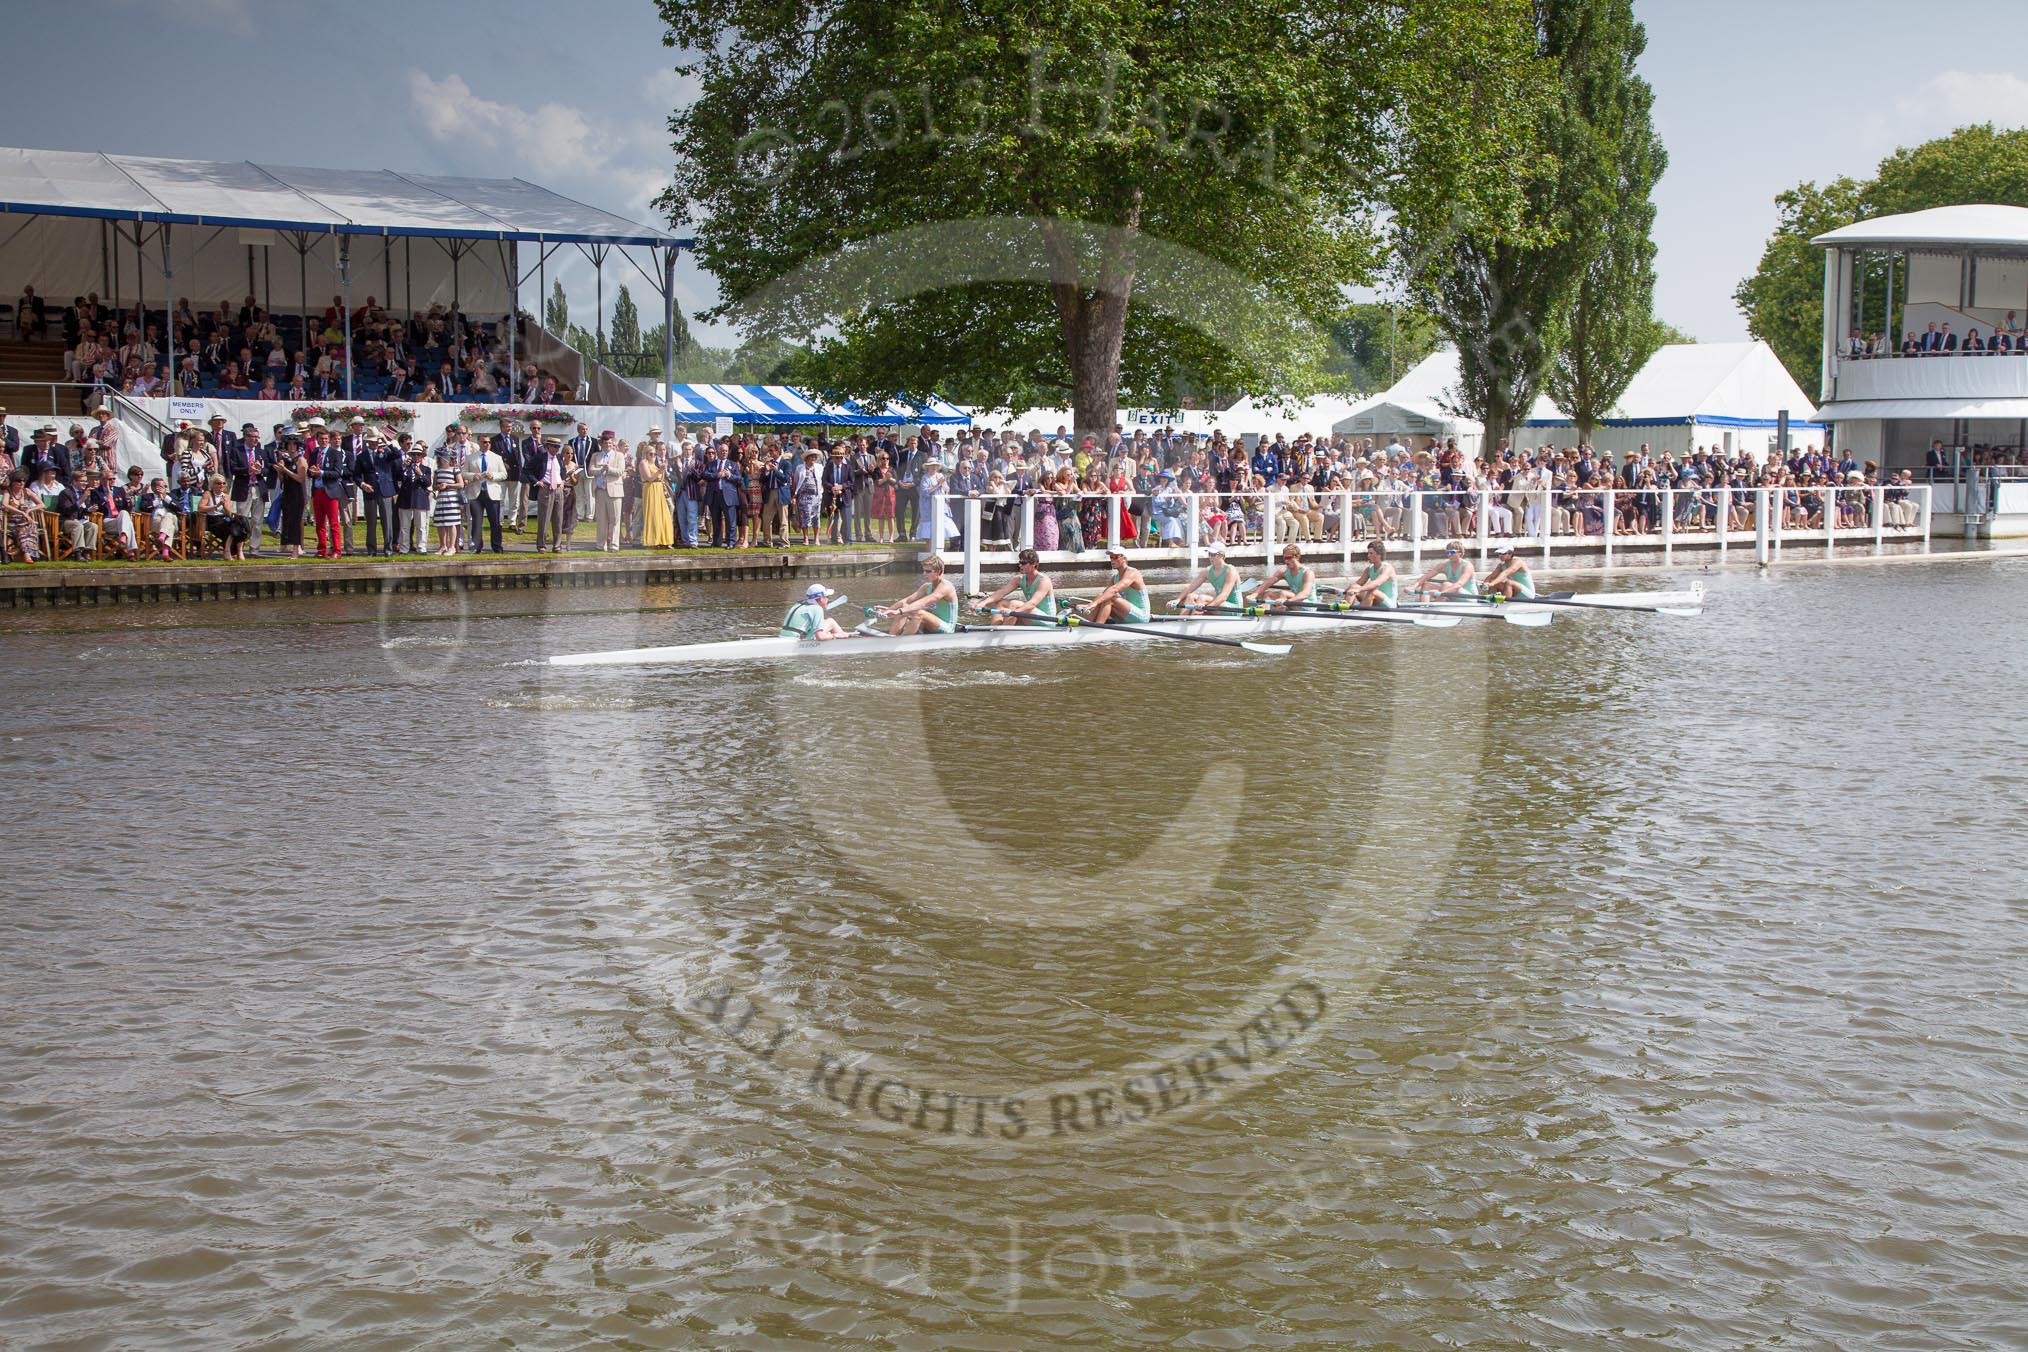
(123,584)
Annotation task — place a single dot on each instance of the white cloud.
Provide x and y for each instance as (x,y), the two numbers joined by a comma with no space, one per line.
(1953,98)
(556,140)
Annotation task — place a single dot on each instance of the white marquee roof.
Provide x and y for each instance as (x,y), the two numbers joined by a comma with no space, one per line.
(289,197)
(1978,226)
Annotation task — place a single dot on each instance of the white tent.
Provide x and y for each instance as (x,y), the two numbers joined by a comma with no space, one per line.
(1414,406)
(1252,419)
(1692,396)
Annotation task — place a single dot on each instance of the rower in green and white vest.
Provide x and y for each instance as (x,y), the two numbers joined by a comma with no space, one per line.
(1126,600)
(807,619)
(1290,581)
(931,608)
(1511,579)
(1374,589)
(1452,577)
(1030,593)
(1216,586)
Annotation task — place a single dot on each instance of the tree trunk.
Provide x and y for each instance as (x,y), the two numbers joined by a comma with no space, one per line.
(1093,318)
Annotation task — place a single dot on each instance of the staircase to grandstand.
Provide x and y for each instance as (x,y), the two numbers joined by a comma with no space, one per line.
(24,360)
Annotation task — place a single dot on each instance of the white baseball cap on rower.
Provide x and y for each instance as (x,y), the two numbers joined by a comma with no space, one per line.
(1216,551)
(817,592)
(1116,551)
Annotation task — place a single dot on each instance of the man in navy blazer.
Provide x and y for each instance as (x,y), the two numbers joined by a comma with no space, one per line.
(376,468)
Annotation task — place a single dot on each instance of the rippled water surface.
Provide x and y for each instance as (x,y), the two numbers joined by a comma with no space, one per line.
(368,985)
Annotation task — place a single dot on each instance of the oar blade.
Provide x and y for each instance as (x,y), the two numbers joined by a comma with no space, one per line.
(1438,621)
(840,599)
(1527,619)
(1265,649)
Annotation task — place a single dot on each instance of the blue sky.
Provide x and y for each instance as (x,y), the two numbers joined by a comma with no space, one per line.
(1750,99)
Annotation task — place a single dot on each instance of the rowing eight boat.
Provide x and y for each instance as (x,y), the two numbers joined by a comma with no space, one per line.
(969,638)
(982,638)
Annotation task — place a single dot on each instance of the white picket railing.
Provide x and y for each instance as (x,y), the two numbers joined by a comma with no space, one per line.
(1544,520)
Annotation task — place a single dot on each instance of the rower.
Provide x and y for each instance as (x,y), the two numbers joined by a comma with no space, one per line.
(1038,592)
(931,608)
(806,619)
(1374,589)
(1126,600)
(1453,577)
(1215,587)
(1511,579)
(1290,582)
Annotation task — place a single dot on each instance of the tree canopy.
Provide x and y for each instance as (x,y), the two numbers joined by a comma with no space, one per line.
(1577,290)
(1154,196)
(1784,299)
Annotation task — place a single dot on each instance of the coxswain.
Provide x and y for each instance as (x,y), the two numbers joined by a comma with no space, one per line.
(931,608)
(1452,577)
(1215,587)
(1374,589)
(1511,579)
(1037,591)
(807,619)
(1289,582)
(1126,600)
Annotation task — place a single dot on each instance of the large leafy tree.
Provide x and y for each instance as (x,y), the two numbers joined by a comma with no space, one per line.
(1784,299)
(1147,196)
(1509,300)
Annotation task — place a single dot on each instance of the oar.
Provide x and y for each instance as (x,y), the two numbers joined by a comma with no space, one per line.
(1145,631)
(840,599)
(1367,615)
(1525,619)
(1563,600)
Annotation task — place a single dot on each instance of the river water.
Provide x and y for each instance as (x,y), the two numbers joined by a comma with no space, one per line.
(369,986)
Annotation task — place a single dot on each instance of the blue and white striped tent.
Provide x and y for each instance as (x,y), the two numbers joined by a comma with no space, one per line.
(932,412)
(779,405)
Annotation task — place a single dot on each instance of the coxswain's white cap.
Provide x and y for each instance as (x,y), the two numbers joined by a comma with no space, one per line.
(1216,551)
(817,592)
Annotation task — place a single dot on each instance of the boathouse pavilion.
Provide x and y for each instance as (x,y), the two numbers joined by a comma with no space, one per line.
(1960,273)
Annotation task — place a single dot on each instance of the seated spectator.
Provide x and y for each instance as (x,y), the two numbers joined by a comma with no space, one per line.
(429,394)
(21,517)
(155,506)
(268,390)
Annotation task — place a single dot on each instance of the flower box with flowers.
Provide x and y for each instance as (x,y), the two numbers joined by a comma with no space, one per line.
(335,413)
(492,413)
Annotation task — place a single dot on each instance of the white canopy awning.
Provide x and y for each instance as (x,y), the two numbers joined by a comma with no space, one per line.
(1852,410)
(291,197)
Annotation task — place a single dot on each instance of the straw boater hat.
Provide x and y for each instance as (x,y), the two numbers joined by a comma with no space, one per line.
(216,417)
(102,411)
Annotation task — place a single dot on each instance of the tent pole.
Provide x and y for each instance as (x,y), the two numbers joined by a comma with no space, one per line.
(345,292)
(168,309)
(513,317)
(668,344)
(303,294)
(599,267)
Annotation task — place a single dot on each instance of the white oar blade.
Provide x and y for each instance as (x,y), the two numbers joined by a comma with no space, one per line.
(840,599)
(1687,612)
(1266,649)
(1438,621)
(1527,619)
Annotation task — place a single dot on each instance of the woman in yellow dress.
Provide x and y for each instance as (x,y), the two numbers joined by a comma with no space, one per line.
(658,524)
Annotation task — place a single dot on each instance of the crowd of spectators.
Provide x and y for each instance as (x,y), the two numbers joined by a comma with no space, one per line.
(247,352)
(1937,340)
(381,491)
